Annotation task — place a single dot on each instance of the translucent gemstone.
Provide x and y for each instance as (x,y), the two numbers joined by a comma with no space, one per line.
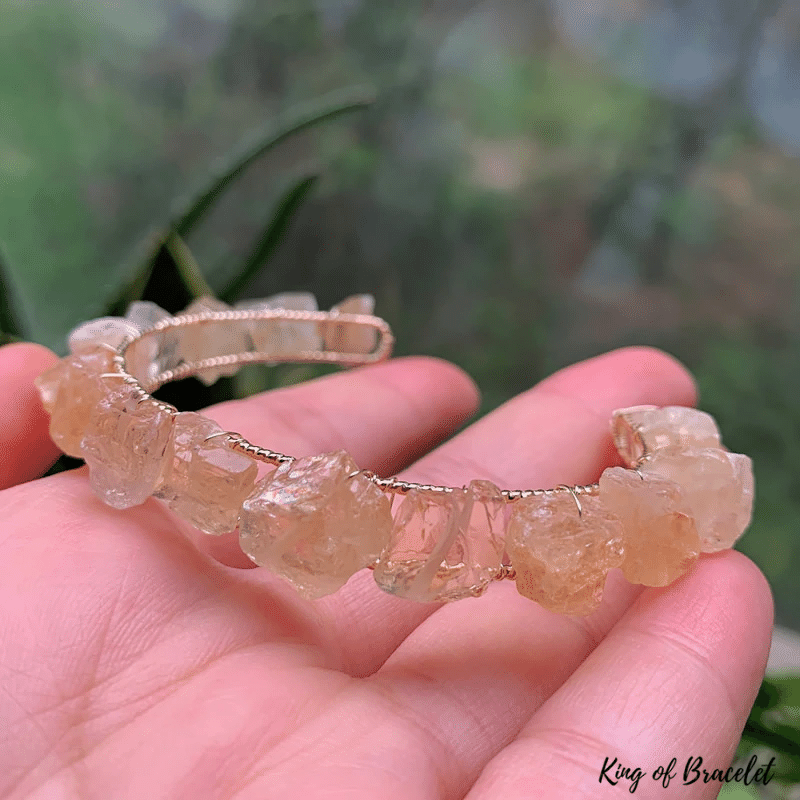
(106,330)
(70,391)
(312,523)
(124,445)
(49,382)
(144,314)
(213,339)
(348,337)
(660,537)
(205,482)
(718,487)
(156,353)
(444,546)
(744,479)
(282,337)
(561,556)
(654,428)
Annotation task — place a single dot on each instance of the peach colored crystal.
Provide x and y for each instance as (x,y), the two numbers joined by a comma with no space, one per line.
(144,314)
(283,337)
(212,339)
(562,557)
(444,546)
(124,445)
(348,337)
(660,537)
(718,487)
(314,524)
(648,427)
(156,352)
(205,482)
(70,391)
(111,331)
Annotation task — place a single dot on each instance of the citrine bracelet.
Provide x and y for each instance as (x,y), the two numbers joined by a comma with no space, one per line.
(318,520)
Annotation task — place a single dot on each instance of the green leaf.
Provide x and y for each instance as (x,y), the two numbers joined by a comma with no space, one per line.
(270,237)
(10,321)
(143,261)
(64,463)
(188,268)
(168,275)
(8,338)
(734,791)
(788,689)
(783,740)
(328,107)
(191,211)
(768,696)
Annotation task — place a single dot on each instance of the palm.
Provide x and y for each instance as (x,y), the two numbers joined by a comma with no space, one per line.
(139,660)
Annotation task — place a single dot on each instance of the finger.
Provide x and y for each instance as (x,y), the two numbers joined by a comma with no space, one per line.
(385,416)
(557,432)
(675,678)
(25,444)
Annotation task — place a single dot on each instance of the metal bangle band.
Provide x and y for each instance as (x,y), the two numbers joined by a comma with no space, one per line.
(237,442)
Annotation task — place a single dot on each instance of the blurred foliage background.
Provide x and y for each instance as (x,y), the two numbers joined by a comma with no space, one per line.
(521,183)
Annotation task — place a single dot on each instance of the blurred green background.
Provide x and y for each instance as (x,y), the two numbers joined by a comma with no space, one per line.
(531,182)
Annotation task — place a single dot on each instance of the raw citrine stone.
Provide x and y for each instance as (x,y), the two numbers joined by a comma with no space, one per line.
(562,556)
(660,537)
(140,359)
(111,331)
(315,523)
(124,445)
(743,512)
(444,546)
(49,382)
(144,314)
(212,339)
(650,428)
(718,487)
(348,337)
(283,337)
(70,391)
(156,352)
(203,480)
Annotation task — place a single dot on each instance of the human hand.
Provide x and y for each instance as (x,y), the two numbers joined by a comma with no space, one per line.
(139,659)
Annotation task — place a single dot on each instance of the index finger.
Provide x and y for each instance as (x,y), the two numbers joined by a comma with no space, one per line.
(26,448)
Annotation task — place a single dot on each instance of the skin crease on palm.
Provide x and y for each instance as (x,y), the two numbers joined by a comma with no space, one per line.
(141,660)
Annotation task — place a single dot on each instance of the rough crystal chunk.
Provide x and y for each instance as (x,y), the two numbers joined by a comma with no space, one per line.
(111,331)
(718,487)
(444,546)
(561,556)
(124,445)
(49,382)
(660,537)
(203,480)
(314,524)
(70,391)
(156,352)
(348,337)
(283,337)
(214,339)
(743,508)
(144,314)
(649,427)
